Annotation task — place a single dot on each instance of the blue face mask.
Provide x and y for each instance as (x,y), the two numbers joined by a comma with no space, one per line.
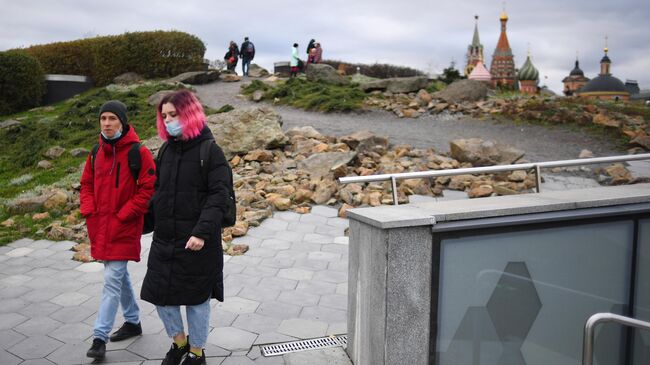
(117,135)
(174,128)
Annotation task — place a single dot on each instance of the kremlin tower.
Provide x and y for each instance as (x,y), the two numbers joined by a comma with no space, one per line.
(503,63)
(474,50)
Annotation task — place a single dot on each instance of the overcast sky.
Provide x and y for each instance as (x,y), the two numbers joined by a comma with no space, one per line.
(423,34)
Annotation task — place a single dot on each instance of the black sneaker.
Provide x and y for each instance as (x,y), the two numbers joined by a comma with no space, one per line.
(192,359)
(127,330)
(175,354)
(97,350)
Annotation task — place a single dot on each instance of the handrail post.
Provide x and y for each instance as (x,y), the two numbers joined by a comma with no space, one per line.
(393,184)
(590,327)
(538,178)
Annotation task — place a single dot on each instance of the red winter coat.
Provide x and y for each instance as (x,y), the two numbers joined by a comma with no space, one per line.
(113,204)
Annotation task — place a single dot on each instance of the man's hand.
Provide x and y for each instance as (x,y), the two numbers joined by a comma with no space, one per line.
(194,243)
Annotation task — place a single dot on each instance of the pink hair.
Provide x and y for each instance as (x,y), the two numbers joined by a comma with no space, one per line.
(190,114)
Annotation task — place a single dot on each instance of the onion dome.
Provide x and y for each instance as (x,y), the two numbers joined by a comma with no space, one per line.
(576,70)
(480,73)
(528,72)
(503,16)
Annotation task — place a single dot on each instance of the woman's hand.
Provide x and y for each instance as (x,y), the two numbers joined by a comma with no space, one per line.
(194,243)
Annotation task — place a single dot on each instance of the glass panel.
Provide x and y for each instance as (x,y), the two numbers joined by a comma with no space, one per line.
(642,302)
(524,297)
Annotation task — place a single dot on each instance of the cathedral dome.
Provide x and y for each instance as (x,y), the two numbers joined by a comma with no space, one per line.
(528,72)
(604,83)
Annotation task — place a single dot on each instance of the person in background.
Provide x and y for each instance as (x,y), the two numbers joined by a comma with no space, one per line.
(318,53)
(231,56)
(295,61)
(247,54)
(185,266)
(310,45)
(114,204)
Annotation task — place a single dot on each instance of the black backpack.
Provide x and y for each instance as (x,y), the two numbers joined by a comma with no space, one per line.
(135,160)
(230,214)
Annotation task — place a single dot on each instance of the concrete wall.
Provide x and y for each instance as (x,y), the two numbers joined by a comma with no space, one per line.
(389,295)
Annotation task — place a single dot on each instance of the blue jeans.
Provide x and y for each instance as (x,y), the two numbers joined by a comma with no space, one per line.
(117,291)
(245,65)
(198,321)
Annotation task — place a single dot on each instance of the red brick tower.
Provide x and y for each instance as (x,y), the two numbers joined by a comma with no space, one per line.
(503,63)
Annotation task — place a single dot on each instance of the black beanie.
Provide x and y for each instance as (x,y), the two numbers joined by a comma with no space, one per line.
(118,108)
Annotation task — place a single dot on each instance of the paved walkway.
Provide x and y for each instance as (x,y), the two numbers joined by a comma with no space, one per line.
(290,285)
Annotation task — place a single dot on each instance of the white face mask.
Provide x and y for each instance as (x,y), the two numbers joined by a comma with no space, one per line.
(117,135)
(174,128)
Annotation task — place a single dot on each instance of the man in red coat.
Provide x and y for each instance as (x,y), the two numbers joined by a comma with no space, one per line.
(114,203)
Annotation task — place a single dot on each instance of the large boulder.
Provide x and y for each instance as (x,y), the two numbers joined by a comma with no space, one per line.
(257,71)
(128,79)
(366,141)
(9,123)
(196,77)
(463,90)
(242,130)
(49,199)
(320,164)
(324,73)
(484,153)
(396,84)
(157,97)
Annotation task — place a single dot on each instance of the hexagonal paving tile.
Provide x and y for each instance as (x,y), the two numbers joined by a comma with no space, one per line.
(231,338)
(35,347)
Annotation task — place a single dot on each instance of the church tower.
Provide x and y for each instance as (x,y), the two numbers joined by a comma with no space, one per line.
(474,50)
(503,63)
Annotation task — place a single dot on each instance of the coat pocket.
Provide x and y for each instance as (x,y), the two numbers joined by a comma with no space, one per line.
(92,223)
(125,232)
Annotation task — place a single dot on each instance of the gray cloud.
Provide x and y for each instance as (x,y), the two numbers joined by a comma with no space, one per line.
(423,34)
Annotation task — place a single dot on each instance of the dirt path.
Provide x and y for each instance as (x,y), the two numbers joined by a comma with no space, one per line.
(540,143)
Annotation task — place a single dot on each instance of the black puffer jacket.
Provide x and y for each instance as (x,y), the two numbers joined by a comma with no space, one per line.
(183,206)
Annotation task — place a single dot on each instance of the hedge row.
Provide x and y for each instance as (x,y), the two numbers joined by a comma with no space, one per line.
(150,54)
(22,82)
(378,70)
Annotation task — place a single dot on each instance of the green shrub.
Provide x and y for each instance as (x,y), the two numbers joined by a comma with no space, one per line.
(377,70)
(150,54)
(22,82)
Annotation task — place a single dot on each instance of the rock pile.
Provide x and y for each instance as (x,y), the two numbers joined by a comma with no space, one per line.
(277,171)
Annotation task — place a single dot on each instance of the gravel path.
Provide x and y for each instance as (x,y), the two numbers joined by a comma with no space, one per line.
(540,143)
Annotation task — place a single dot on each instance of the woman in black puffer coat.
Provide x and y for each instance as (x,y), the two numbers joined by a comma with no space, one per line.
(185,264)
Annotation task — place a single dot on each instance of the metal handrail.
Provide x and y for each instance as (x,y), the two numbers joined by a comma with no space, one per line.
(590,326)
(537,166)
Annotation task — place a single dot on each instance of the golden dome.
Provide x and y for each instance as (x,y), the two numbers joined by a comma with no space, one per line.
(503,16)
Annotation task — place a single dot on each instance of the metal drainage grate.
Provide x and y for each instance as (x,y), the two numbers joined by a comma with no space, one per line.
(311,344)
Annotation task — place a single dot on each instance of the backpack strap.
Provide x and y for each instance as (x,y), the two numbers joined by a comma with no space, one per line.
(135,161)
(161,152)
(204,156)
(93,154)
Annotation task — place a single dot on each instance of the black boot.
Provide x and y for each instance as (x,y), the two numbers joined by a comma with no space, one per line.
(127,330)
(192,359)
(175,354)
(97,350)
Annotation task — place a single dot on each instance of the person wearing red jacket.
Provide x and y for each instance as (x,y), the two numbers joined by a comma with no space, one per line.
(114,204)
